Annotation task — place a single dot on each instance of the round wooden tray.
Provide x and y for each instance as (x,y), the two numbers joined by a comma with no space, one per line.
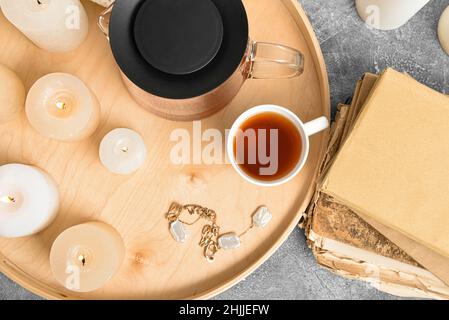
(156,267)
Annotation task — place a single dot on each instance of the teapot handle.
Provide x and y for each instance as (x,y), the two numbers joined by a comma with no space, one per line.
(273,61)
(103,20)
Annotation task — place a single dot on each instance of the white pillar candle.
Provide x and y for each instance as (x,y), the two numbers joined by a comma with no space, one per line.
(123,151)
(443,30)
(85,257)
(60,106)
(388,14)
(29,200)
(12,94)
(53,25)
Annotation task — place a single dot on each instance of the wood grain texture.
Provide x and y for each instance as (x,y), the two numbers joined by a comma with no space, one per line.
(155,265)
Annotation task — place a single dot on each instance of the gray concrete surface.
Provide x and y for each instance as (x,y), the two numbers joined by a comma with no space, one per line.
(349,49)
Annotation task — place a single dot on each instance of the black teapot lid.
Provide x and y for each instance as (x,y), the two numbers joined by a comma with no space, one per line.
(178,49)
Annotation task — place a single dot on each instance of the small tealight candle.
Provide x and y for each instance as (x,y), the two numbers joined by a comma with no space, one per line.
(60,106)
(85,257)
(29,200)
(123,151)
(53,25)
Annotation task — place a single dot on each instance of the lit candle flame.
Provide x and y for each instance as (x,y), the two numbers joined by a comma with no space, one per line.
(61,105)
(8,199)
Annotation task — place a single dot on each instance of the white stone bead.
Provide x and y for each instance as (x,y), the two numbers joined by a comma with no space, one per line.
(229,241)
(262,217)
(178,231)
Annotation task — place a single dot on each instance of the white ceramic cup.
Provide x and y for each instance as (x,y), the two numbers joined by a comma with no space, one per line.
(305,129)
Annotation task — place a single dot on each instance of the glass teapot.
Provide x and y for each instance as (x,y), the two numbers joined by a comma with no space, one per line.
(187,59)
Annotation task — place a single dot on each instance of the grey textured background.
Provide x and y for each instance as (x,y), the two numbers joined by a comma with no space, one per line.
(350,49)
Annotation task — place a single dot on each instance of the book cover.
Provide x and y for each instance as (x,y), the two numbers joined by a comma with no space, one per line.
(346,244)
(391,168)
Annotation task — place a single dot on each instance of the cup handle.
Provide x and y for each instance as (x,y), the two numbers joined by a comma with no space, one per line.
(273,61)
(103,20)
(316,126)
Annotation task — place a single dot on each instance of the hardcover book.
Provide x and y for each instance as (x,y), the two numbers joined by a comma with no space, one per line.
(347,244)
(392,166)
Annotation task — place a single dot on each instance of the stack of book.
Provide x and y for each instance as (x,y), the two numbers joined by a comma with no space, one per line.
(104,3)
(381,210)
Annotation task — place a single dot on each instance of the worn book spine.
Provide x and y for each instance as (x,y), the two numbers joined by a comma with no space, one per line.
(385,274)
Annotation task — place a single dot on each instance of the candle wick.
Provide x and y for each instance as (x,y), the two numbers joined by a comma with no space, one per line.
(125,149)
(82,259)
(42,3)
(8,199)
